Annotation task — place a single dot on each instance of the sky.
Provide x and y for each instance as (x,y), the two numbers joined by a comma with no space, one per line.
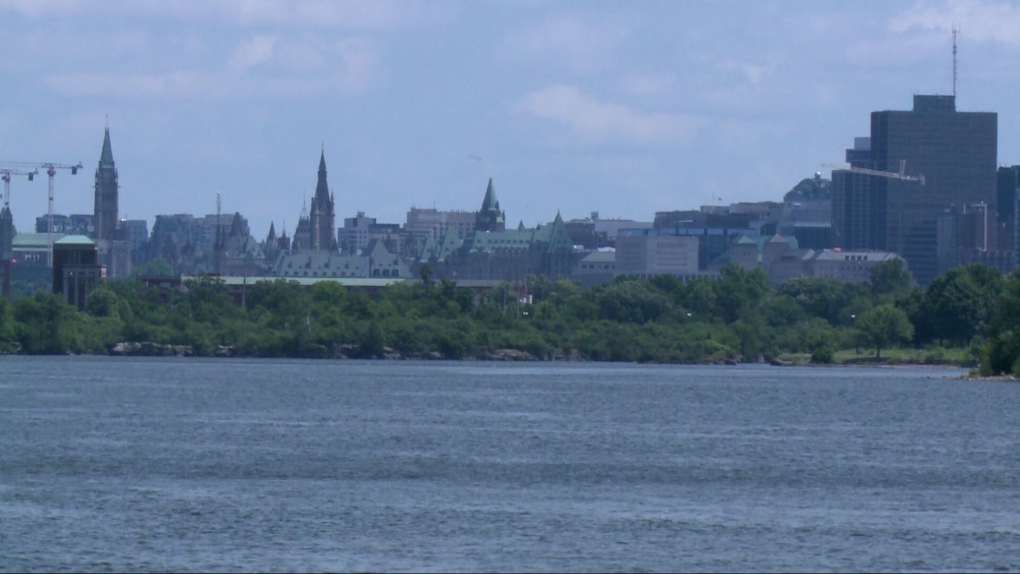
(624,108)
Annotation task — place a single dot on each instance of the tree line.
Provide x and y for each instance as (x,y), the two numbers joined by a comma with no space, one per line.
(737,317)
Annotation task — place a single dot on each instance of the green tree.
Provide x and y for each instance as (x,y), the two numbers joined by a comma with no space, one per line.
(103,301)
(738,291)
(962,301)
(889,277)
(883,327)
(1001,353)
(372,342)
(630,300)
(158,267)
(48,325)
(6,321)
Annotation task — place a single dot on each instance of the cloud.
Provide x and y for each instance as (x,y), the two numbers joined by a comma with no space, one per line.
(327,14)
(260,66)
(43,8)
(598,122)
(980,20)
(568,40)
(650,85)
(255,51)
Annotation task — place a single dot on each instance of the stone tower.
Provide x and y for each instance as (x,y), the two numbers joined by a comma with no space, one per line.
(106,194)
(322,216)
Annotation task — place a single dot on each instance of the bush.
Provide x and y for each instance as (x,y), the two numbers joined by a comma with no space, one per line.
(823,355)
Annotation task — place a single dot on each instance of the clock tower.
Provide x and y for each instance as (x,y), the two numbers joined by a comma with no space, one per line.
(106,194)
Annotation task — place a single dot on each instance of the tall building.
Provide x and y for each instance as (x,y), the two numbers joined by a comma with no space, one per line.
(322,216)
(935,158)
(1007,207)
(106,194)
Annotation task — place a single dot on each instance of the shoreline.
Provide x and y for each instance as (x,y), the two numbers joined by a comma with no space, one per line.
(132,349)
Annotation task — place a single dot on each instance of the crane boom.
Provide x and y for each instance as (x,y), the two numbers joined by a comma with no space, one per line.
(890,174)
(7,173)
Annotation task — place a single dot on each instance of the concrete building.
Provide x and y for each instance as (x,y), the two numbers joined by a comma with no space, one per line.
(595,268)
(646,254)
(781,260)
(359,231)
(425,224)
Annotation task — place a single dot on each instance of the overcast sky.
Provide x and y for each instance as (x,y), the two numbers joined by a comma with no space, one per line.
(625,108)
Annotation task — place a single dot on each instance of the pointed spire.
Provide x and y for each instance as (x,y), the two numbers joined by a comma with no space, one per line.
(106,158)
(321,188)
(489,217)
(490,202)
(271,238)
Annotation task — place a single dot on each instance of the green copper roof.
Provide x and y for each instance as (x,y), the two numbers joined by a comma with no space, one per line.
(490,203)
(489,217)
(74,240)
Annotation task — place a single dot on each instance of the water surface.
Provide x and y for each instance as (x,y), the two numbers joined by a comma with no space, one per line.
(286,465)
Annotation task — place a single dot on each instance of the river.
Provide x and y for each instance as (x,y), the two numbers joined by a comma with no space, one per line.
(171,464)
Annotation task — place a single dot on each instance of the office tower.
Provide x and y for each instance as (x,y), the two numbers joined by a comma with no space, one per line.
(916,165)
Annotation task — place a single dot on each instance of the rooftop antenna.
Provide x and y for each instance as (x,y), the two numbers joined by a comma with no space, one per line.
(955,32)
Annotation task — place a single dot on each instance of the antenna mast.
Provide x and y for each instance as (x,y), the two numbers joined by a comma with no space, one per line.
(955,31)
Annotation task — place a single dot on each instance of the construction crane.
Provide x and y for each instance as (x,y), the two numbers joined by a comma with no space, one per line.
(7,173)
(902,174)
(51,170)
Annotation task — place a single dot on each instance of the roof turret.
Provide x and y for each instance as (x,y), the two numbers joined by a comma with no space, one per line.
(490,217)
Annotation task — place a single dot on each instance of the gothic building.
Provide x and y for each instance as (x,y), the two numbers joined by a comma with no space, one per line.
(322,216)
(106,194)
(492,252)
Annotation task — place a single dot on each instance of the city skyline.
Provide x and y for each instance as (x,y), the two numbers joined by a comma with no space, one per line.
(624,109)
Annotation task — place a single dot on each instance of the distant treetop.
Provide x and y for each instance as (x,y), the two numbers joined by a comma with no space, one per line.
(810,189)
